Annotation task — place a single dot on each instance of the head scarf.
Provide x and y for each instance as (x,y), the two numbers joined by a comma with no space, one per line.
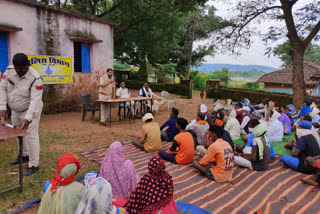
(284,119)
(63,177)
(119,172)
(97,198)
(229,102)
(233,115)
(246,108)
(239,104)
(147,116)
(292,113)
(218,107)
(203,108)
(246,102)
(154,191)
(258,133)
(291,109)
(228,108)
(305,124)
(305,110)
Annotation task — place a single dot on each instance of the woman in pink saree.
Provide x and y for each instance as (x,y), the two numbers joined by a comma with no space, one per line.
(120,173)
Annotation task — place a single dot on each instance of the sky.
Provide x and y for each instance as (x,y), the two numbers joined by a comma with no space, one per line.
(255,54)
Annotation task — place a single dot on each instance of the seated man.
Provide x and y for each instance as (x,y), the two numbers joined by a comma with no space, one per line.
(248,148)
(203,109)
(306,146)
(218,163)
(198,127)
(275,128)
(150,139)
(208,140)
(255,116)
(259,157)
(145,91)
(239,112)
(244,126)
(172,130)
(123,92)
(232,125)
(262,107)
(184,142)
(315,163)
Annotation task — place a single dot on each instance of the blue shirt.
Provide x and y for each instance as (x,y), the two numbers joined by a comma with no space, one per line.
(172,131)
(249,144)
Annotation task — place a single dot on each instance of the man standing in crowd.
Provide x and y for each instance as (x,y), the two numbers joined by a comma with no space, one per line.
(106,91)
(21,87)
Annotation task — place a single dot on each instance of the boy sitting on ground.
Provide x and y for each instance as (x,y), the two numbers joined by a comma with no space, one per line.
(184,142)
(172,130)
(150,139)
(218,163)
(259,157)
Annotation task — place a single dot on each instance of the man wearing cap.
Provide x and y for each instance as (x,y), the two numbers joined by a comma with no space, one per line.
(306,146)
(21,88)
(150,138)
(106,91)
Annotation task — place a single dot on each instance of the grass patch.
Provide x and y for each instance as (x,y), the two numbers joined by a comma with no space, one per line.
(33,185)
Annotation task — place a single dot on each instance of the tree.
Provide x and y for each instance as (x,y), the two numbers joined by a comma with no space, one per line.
(302,25)
(312,53)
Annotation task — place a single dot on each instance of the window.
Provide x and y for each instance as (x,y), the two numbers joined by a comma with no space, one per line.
(4,53)
(81,57)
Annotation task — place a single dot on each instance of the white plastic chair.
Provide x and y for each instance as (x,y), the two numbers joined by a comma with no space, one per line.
(168,98)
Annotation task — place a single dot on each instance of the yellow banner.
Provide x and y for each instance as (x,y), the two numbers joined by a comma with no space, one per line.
(54,70)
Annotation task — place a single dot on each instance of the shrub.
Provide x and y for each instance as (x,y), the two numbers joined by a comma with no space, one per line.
(251,85)
(169,87)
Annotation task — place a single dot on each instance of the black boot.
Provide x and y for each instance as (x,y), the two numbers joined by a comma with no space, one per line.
(17,161)
(30,170)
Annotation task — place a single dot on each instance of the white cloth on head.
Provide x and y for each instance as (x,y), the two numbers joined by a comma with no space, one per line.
(275,116)
(229,102)
(246,108)
(300,132)
(203,108)
(233,125)
(218,107)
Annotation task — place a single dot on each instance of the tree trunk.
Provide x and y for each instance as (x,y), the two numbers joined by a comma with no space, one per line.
(191,46)
(298,84)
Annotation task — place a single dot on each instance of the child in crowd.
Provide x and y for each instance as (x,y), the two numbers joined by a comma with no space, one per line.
(202,93)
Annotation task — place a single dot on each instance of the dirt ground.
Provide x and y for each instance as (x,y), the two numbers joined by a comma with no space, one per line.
(88,134)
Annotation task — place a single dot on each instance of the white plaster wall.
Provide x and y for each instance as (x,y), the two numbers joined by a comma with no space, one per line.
(26,17)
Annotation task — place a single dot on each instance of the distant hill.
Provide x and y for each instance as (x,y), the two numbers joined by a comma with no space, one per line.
(212,67)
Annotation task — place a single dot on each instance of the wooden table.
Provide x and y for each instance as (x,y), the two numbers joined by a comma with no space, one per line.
(124,100)
(5,133)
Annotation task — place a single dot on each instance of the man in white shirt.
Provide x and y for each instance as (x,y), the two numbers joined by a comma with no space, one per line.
(122,93)
(145,91)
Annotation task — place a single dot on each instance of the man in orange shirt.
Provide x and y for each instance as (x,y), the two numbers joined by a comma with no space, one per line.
(184,142)
(220,153)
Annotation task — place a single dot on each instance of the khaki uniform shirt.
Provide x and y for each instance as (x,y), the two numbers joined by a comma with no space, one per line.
(106,92)
(22,94)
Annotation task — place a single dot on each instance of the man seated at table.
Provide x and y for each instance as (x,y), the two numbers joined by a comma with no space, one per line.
(150,138)
(123,93)
(145,91)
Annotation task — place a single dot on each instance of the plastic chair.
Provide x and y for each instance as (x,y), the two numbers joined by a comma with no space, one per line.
(88,105)
(168,98)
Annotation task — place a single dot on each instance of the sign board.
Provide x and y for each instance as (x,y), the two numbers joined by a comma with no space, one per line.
(54,70)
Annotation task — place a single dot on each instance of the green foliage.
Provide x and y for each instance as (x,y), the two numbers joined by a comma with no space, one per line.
(200,80)
(251,85)
(163,70)
(254,96)
(284,52)
(250,75)
(118,65)
(169,87)
(222,75)
(144,70)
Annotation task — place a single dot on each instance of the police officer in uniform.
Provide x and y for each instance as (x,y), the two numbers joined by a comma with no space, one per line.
(21,87)
(106,91)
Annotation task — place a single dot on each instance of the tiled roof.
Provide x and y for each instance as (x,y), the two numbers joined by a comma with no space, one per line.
(284,76)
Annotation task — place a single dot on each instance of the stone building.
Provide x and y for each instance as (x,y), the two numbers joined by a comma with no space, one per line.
(37,29)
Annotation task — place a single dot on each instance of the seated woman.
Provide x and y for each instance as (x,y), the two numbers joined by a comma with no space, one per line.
(259,157)
(306,146)
(233,125)
(198,127)
(218,163)
(275,128)
(154,192)
(150,139)
(286,123)
(63,194)
(119,172)
(184,142)
(98,199)
(292,113)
